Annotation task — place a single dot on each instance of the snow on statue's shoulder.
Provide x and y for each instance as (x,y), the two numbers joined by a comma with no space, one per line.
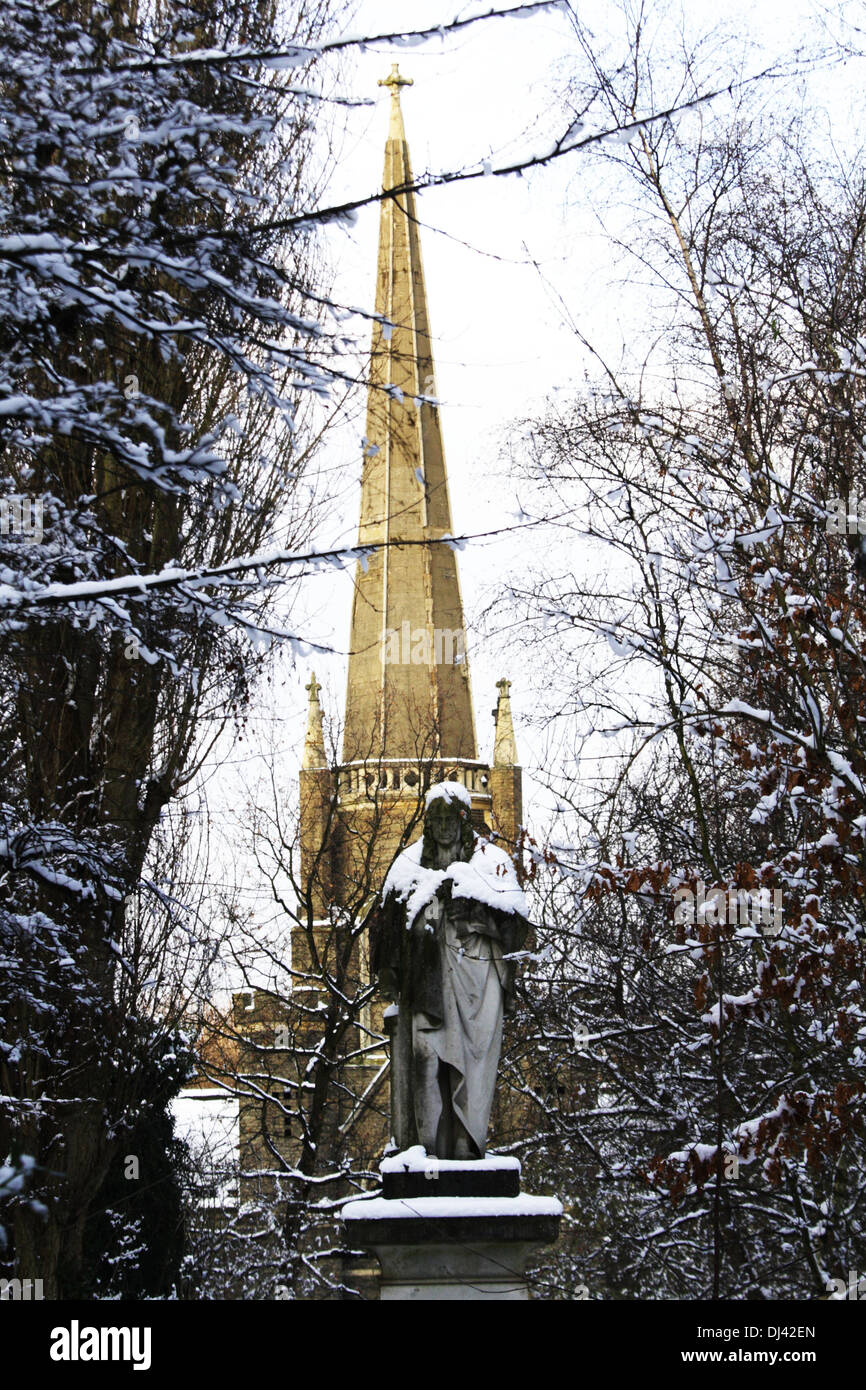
(489,878)
(414,885)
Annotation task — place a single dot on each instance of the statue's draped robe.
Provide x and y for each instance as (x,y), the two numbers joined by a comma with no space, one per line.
(446,968)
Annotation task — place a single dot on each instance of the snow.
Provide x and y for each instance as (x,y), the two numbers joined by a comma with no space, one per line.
(843,768)
(448,791)
(737,1001)
(740,707)
(14,1177)
(617,647)
(705,1153)
(489,878)
(416,1160)
(175,577)
(208,1120)
(402,1208)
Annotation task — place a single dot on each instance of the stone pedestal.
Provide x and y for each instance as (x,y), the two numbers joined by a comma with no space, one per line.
(452,1228)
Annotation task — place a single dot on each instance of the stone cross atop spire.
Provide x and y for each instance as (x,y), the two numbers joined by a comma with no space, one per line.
(395,82)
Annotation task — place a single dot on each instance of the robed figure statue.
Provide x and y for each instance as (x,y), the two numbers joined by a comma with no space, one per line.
(451,917)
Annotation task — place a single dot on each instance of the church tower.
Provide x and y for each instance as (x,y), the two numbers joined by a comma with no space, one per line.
(409,717)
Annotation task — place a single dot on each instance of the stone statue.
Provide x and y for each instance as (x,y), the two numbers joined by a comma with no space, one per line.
(451,913)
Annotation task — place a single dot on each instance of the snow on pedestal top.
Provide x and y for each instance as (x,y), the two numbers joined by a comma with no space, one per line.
(397,1208)
(416,1160)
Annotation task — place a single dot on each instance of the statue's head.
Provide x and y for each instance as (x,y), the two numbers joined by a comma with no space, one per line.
(447,824)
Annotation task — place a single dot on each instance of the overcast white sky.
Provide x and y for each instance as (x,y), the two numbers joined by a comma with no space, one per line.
(501,342)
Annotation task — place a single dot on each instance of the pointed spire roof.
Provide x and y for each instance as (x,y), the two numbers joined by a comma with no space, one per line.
(504,742)
(314,743)
(408,687)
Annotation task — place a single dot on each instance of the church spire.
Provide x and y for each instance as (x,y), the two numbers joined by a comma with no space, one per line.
(408,687)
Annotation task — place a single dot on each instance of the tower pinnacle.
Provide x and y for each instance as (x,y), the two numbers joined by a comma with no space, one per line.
(314,744)
(504,746)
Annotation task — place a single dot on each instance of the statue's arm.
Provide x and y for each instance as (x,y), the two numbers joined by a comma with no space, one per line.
(515,933)
(387,931)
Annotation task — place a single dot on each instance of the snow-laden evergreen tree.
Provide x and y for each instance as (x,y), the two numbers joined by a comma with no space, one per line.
(158,339)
